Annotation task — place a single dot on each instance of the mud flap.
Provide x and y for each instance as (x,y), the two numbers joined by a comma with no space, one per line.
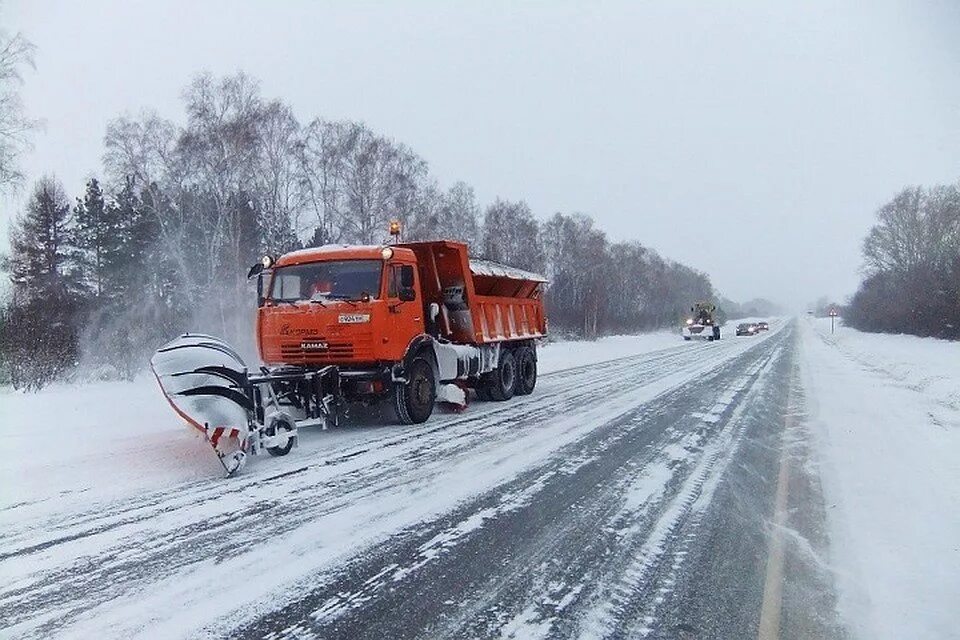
(205,381)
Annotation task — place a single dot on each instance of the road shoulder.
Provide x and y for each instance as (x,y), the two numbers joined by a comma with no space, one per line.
(892,484)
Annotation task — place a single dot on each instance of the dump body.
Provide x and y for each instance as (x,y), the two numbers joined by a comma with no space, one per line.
(479,301)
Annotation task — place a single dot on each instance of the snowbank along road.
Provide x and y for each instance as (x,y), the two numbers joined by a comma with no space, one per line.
(655,495)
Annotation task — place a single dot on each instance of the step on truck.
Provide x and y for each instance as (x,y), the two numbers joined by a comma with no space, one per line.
(391,324)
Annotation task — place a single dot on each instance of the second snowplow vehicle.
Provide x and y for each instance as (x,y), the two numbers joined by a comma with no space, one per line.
(341,324)
(702,323)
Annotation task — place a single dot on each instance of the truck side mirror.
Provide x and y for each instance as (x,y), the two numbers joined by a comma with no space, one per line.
(255,270)
(260,296)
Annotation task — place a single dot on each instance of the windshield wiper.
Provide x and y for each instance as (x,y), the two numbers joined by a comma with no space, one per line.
(364,297)
(342,296)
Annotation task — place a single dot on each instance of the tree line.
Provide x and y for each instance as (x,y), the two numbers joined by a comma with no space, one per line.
(161,243)
(912,266)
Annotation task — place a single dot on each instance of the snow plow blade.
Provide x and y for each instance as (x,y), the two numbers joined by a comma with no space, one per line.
(700,332)
(206,383)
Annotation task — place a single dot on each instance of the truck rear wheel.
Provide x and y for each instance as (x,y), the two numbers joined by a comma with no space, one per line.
(526,371)
(413,400)
(503,380)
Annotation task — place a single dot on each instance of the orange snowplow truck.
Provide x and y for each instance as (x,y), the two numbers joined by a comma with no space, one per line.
(402,320)
(341,324)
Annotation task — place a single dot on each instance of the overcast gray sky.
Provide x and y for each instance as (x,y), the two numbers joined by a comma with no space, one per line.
(752,140)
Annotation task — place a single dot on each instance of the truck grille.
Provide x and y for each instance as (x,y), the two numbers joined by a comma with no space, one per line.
(337,351)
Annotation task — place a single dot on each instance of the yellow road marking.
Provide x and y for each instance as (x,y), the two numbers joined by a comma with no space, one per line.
(773,581)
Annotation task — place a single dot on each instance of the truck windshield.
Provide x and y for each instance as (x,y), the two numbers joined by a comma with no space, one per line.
(334,280)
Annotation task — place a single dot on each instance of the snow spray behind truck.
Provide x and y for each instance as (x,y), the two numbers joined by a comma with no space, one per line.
(343,324)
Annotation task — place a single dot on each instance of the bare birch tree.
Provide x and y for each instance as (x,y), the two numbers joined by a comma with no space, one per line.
(16,53)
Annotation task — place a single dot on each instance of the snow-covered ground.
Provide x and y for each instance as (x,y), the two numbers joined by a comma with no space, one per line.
(556,356)
(75,444)
(884,410)
(886,413)
(81,559)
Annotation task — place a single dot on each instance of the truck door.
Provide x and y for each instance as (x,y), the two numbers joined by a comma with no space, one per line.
(404,303)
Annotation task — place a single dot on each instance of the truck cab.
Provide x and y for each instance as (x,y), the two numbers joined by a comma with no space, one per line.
(351,306)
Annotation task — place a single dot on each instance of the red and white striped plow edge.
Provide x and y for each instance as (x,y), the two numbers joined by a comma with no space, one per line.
(215,434)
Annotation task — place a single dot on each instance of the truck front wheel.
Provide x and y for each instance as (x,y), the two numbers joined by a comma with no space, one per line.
(281,426)
(413,400)
(503,380)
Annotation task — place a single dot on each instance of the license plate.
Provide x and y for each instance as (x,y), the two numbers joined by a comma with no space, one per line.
(354,318)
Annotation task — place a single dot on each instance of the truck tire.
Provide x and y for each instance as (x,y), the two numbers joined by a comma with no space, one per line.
(483,389)
(280,424)
(503,380)
(526,359)
(413,400)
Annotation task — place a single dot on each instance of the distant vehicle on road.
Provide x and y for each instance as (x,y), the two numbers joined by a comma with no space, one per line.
(746,329)
(702,323)
(763,326)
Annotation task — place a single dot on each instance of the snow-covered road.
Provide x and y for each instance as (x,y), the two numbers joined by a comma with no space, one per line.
(628,498)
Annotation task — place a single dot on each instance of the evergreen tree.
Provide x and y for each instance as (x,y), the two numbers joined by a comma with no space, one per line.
(99,238)
(139,308)
(41,260)
(39,335)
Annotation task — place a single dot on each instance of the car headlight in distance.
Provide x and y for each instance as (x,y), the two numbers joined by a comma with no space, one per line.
(689,320)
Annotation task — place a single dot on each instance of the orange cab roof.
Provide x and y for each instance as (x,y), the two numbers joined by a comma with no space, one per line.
(341,252)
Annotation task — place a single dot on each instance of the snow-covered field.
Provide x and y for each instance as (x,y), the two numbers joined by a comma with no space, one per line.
(886,413)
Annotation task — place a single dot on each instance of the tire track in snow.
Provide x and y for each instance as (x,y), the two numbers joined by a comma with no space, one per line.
(600,376)
(98,575)
(631,609)
(372,599)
